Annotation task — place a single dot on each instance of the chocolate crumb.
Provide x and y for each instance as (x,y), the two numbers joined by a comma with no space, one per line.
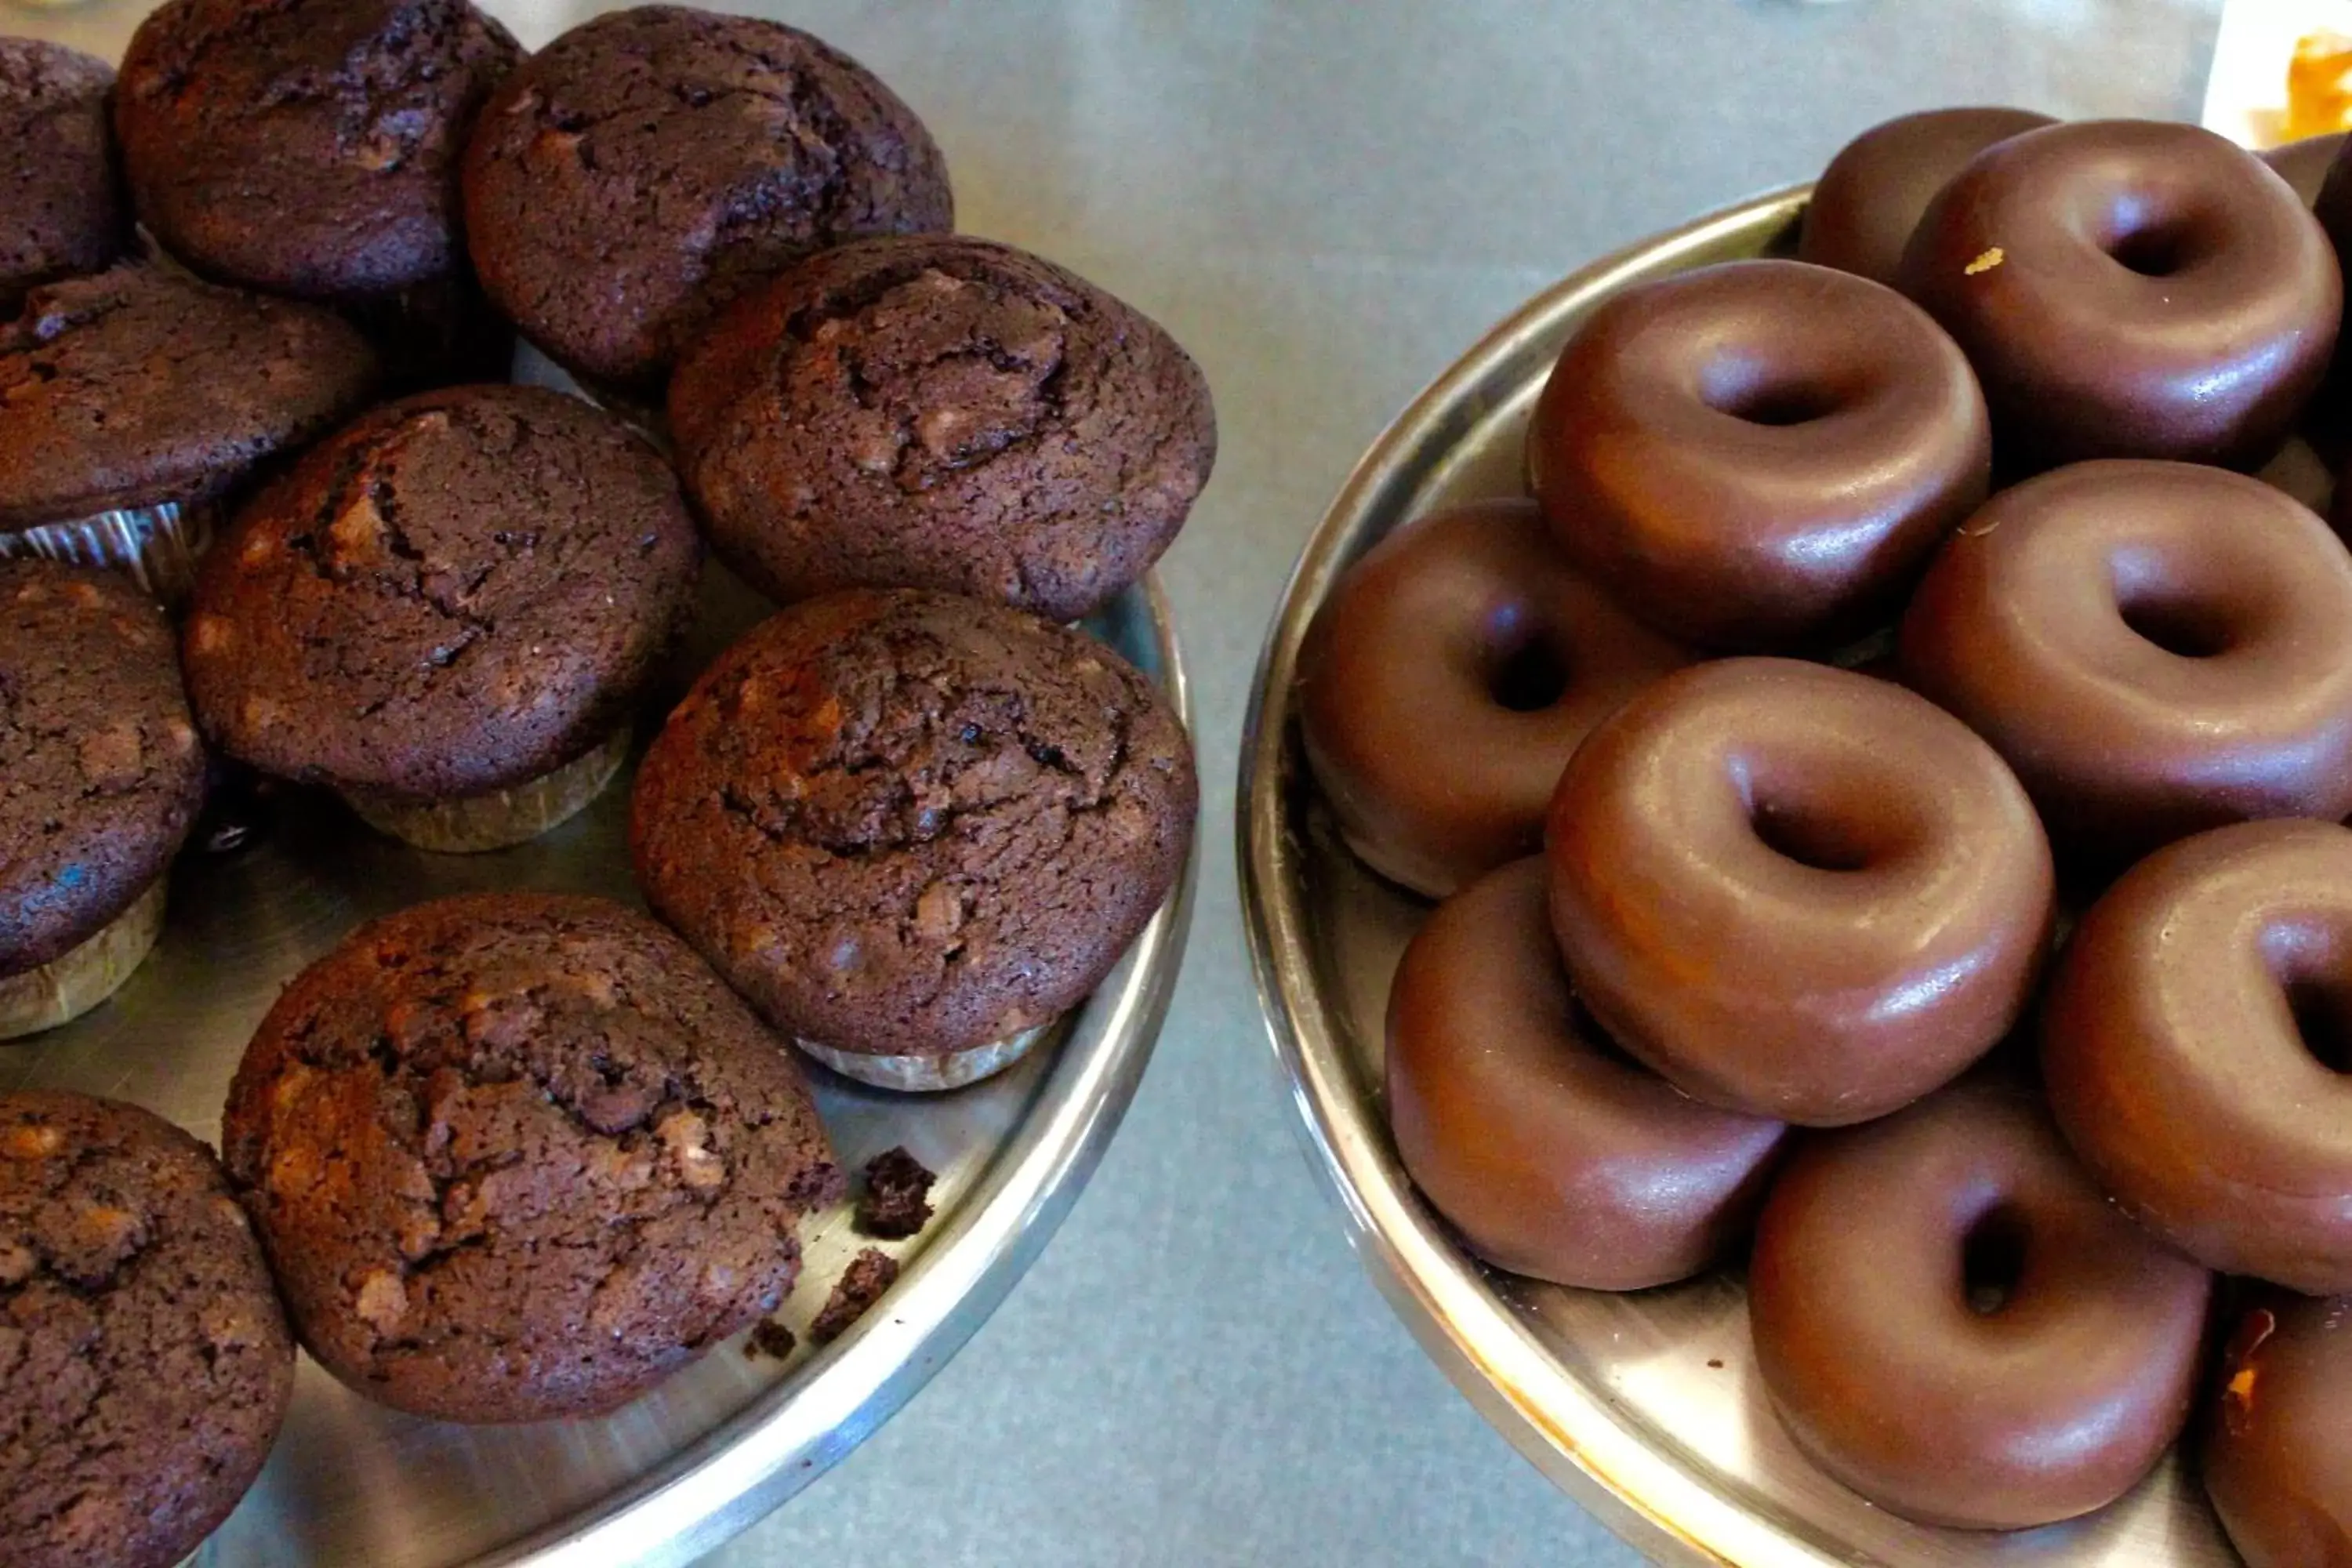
(770,1338)
(897,1203)
(870,1274)
(1715,1366)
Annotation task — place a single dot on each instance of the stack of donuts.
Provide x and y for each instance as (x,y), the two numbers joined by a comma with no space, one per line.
(1882,790)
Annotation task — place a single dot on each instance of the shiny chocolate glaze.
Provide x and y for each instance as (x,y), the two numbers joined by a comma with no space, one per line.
(1445,682)
(2129,288)
(1797,892)
(1950,1320)
(2155,647)
(2194,1045)
(1553,1156)
(2278,1453)
(2304,164)
(1871,197)
(1760,455)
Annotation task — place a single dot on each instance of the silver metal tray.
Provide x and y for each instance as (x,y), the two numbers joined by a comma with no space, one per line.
(672,1475)
(1645,1408)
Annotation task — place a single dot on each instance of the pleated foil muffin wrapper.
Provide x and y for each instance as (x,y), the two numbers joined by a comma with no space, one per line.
(159,545)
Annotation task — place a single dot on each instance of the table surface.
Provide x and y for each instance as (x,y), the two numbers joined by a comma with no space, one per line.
(1325,201)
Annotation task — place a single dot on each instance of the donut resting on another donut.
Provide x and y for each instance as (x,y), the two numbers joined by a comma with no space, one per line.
(2195,1045)
(1953,1322)
(1448,679)
(2155,647)
(1553,1157)
(1758,456)
(1797,892)
(2129,288)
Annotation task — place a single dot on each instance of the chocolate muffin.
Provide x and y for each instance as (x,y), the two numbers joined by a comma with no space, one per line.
(62,206)
(448,611)
(100,776)
(147,1362)
(133,401)
(942,412)
(311,147)
(651,164)
(516,1156)
(914,829)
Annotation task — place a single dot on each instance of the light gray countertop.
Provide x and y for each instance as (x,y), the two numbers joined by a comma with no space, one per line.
(1326,200)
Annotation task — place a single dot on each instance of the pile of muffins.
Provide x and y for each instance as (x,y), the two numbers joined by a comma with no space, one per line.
(1883,792)
(270,508)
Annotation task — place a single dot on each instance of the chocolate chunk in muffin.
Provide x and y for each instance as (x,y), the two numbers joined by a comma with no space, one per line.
(650,164)
(460,591)
(896,1203)
(933,412)
(142,385)
(61,205)
(869,1275)
(903,823)
(515,1157)
(101,773)
(146,1363)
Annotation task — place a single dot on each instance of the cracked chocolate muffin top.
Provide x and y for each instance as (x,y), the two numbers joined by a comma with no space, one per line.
(907,824)
(146,1361)
(308,147)
(516,1156)
(141,385)
(934,412)
(61,205)
(457,592)
(100,774)
(650,164)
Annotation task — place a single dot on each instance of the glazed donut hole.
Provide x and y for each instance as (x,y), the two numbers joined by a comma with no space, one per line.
(1741,384)
(1522,661)
(2309,958)
(2163,599)
(2156,230)
(1834,808)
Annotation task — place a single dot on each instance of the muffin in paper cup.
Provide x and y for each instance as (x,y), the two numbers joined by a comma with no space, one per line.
(59,992)
(313,154)
(139,400)
(105,776)
(447,611)
(914,829)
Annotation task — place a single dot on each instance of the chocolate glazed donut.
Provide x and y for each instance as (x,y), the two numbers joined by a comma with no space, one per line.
(2195,1045)
(1870,197)
(2129,288)
(1446,680)
(2155,647)
(2278,1462)
(1759,454)
(1796,891)
(1951,1321)
(1553,1157)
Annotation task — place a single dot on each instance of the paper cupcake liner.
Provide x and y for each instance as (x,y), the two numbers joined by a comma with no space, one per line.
(64,989)
(500,818)
(158,545)
(929,1075)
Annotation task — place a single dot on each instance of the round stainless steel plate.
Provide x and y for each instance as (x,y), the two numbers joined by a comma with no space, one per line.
(1645,1408)
(672,1475)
